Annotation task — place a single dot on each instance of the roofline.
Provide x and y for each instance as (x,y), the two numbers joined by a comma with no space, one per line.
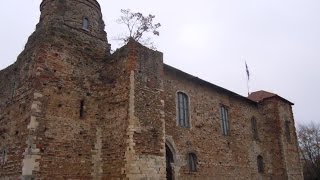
(218,88)
(281,98)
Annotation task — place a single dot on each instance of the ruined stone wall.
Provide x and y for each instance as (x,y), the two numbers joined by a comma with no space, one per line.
(17,110)
(78,110)
(145,153)
(15,117)
(219,156)
(78,100)
(67,135)
(115,108)
(56,141)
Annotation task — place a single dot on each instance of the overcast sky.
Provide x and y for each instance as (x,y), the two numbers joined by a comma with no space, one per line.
(280,40)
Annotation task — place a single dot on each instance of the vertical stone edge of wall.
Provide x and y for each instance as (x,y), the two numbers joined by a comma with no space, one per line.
(140,166)
(30,163)
(96,156)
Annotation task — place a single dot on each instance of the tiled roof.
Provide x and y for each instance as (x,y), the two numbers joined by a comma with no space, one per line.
(259,96)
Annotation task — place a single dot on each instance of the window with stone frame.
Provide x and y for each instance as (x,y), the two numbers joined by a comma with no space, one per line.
(192,162)
(260,164)
(85,23)
(183,110)
(254,127)
(287,130)
(224,120)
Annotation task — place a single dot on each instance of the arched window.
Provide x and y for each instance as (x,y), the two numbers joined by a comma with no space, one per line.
(183,110)
(260,164)
(85,23)
(192,161)
(254,127)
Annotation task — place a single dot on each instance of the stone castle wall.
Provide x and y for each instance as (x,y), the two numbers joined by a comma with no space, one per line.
(71,110)
(18,108)
(15,120)
(220,156)
(145,153)
(287,164)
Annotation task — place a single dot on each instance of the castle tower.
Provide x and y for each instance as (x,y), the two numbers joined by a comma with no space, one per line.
(83,15)
(70,110)
(49,104)
(279,127)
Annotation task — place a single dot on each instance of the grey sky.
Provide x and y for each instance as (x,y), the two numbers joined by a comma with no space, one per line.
(207,38)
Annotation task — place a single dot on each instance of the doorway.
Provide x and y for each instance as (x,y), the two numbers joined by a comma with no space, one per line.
(169,161)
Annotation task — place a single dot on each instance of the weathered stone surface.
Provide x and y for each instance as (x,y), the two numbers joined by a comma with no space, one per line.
(71,110)
(227,157)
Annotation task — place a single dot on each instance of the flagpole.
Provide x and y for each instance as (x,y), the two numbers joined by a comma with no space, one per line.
(248,75)
(248,86)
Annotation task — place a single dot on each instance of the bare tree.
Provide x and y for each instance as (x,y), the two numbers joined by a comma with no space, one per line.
(309,142)
(138,25)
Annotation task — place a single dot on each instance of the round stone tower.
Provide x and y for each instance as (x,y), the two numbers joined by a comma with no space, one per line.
(81,15)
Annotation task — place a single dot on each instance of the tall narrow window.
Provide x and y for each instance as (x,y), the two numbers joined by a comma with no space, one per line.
(183,110)
(4,155)
(224,121)
(254,127)
(287,130)
(260,164)
(192,160)
(81,110)
(85,23)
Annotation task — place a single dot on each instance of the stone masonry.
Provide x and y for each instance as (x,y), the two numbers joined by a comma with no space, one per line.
(69,109)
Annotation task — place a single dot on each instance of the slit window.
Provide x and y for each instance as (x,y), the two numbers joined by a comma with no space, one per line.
(85,23)
(192,161)
(224,121)
(4,156)
(183,110)
(260,164)
(287,131)
(254,127)
(81,110)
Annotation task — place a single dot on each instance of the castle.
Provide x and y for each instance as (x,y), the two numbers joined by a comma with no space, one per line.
(69,109)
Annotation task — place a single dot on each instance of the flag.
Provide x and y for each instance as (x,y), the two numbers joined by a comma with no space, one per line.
(247,70)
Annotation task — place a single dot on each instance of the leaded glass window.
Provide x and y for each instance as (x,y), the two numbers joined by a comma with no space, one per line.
(183,110)
(224,121)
